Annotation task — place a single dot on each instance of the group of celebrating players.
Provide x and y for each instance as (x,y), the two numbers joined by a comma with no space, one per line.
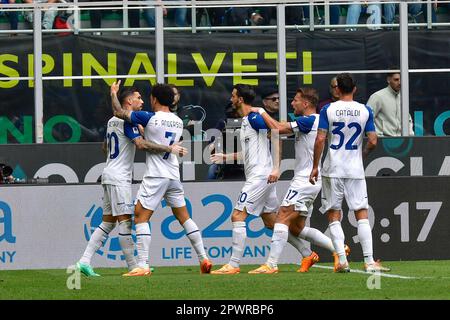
(342,123)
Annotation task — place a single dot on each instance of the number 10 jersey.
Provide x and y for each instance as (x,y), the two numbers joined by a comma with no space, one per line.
(120,152)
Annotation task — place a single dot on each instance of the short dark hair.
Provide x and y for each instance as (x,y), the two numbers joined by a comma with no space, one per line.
(393,70)
(310,95)
(125,93)
(345,83)
(246,92)
(268,92)
(163,93)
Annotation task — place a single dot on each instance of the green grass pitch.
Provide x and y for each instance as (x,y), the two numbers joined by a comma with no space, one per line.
(410,280)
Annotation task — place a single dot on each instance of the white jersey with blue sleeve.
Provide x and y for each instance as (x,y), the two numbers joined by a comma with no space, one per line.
(346,123)
(120,152)
(305,129)
(255,147)
(163,128)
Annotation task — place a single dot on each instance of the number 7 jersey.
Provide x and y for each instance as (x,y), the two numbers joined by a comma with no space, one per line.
(163,128)
(345,122)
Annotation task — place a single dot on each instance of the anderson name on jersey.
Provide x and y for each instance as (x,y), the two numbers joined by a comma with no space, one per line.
(120,152)
(163,128)
(345,122)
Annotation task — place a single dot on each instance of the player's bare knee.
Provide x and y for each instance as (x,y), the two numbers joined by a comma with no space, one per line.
(124,217)
(361,214)
(269,219)
(238,215)
(334,215)
(181,214)
(109,218)
(285,216)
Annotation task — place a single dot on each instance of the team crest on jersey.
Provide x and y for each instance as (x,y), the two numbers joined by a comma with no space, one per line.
(135,130)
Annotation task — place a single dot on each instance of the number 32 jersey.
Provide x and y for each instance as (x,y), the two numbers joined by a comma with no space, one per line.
(120,152)
(345,121)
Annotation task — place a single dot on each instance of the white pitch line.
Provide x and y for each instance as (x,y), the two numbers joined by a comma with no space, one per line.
(387,275)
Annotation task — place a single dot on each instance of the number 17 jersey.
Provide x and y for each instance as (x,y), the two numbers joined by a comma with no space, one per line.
(346,122)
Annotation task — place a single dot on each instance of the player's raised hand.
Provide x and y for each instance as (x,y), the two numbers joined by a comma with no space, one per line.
(217,158)
(314,175)
(115,87)
(274,176)
(177,149)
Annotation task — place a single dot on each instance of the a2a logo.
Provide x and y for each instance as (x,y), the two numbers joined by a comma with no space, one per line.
(6,221)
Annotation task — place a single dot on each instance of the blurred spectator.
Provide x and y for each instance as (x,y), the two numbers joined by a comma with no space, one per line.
(355,10)
(414,9)
(13,16)
(216,16)
(180,15)
(271,102)
(335,13)
(264,15)
(6,174)
(386,106)
(334,95)
(187,123)
(49,14)
(224,171)
(95,17)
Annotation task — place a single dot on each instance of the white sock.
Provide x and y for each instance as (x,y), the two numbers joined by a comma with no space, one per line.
(317,238)
(195,236)
(239,235)
(143,240)
(127,244)
(97,239)
(365,238)
(299,244)
(279,239)
(338,238)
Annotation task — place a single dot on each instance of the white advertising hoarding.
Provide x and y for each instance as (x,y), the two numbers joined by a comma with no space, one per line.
(45,227)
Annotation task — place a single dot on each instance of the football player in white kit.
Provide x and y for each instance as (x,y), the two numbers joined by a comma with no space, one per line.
(119,146)
(343,122)
(162,175)
(297,204)
(258,196)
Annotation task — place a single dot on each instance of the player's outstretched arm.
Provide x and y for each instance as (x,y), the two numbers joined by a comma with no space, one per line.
(318,149)
(225,157)
(282,127)
(152,147)
(177,149)
(118,111)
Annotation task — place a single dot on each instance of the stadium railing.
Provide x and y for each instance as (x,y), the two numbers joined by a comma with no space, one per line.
(281,27)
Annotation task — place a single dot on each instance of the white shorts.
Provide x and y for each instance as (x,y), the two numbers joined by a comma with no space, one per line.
(335,189)
(301,194)
(117,200)
(258,196)
(153,190)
